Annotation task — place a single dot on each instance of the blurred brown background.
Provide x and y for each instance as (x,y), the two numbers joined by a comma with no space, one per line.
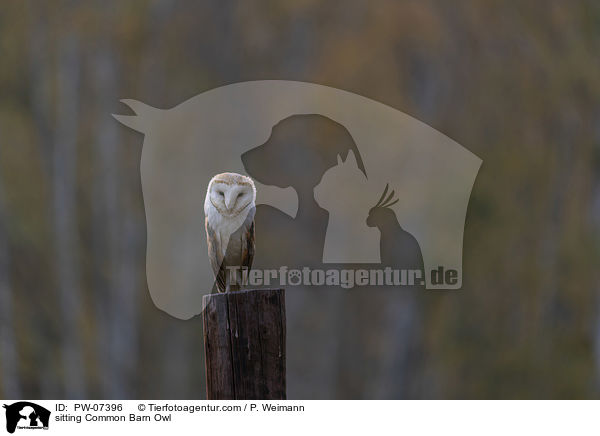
(517,83)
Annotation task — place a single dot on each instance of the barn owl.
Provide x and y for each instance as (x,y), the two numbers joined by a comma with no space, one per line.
(229,208)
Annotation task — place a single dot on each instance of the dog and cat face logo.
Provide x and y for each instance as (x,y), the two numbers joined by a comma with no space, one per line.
(26,415)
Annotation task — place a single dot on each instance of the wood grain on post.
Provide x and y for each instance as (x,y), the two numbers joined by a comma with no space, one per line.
(244,344)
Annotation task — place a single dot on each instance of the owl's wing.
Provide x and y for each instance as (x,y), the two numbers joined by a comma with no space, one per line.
(214,254)
(248,239)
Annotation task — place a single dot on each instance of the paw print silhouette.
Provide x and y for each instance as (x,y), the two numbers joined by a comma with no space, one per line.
(294,277)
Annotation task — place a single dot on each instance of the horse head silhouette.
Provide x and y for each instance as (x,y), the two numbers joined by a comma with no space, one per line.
(186,145)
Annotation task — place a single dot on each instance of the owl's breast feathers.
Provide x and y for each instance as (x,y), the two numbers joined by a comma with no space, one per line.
(230,245)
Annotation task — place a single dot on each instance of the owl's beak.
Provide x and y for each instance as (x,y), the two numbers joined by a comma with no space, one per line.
(229,202)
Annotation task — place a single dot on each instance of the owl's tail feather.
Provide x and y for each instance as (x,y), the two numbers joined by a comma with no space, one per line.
(220,280)
(233,288)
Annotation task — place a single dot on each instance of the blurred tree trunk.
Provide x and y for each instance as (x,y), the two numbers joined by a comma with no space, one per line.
(175,335)
(40,76)
(595,213)
(58,142)
(105,231)
(115,235)
(9,374)
(380,349)
(596,344)
(64,175)
(125,347)
(401,366)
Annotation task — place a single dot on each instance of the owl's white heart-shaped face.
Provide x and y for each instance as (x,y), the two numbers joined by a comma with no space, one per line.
(230,194)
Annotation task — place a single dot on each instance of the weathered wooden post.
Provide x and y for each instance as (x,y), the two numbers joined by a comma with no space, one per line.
(244,344)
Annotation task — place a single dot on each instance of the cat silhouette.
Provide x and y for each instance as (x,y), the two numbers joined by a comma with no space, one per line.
(345,192)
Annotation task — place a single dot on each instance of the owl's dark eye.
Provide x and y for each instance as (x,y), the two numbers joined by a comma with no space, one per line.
(240,194)
(221,194)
